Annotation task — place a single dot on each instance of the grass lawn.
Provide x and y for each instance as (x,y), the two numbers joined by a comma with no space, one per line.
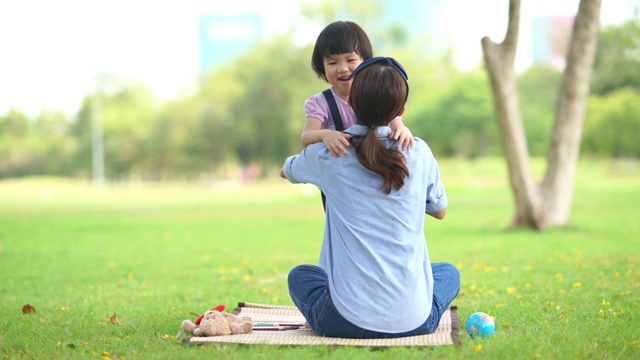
(112,272)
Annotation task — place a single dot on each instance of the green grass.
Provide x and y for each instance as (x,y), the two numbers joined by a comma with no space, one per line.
(158,254)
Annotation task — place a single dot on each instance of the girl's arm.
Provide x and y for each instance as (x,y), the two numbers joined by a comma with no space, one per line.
(335,141)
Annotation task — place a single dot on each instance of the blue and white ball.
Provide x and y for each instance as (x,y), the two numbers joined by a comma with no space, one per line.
(481,325)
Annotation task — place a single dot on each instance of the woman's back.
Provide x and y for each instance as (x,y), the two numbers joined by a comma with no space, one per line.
(374,248)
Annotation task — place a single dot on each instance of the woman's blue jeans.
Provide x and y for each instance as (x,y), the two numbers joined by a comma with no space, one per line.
(309,291)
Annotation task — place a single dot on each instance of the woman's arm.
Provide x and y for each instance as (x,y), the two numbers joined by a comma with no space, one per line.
(440,214)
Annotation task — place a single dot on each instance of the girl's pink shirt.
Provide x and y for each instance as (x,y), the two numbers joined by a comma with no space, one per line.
(317,107)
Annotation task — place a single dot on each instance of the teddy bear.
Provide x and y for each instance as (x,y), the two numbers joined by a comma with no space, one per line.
(217,323)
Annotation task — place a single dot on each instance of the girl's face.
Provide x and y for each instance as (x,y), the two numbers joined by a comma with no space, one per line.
(337,68)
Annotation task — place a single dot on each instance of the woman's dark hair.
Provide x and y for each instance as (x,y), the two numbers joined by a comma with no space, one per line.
(339,37)
(378,94)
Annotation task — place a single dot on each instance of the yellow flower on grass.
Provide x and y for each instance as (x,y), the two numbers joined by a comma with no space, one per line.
(511,290)
(477,348)
(577,284)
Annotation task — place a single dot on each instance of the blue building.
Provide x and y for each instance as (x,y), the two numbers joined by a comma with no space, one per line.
(224,37)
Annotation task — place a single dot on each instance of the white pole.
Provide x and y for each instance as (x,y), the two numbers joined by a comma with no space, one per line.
(97,136)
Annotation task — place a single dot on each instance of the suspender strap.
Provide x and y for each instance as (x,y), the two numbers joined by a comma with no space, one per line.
(333,107)
(337,121)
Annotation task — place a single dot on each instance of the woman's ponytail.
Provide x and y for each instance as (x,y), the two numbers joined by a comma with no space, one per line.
(378,94)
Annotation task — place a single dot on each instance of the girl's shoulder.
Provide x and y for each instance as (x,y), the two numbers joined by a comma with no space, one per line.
(317,97)
(315,103)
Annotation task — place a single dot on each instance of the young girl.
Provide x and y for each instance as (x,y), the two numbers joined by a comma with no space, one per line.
(338,51)
(375,278)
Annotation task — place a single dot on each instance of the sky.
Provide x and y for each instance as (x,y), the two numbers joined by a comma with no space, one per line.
(52,51)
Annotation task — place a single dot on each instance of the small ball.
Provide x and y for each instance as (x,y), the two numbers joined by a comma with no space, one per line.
(480,324)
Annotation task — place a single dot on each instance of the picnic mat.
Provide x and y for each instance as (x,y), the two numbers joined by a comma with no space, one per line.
(446,334)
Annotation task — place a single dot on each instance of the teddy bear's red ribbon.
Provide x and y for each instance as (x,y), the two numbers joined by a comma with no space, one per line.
(219,308)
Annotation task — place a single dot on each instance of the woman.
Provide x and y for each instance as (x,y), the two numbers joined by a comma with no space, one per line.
(374,277)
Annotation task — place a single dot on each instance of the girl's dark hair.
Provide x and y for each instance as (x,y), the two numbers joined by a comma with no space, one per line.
(378,94)
(339,37)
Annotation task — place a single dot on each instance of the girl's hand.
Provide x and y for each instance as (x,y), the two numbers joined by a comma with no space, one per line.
(336,142)
(404,137)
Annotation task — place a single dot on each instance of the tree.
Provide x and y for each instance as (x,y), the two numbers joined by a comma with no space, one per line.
(547,204)
(613,125)
(129,113)
(15,134)
(266,115)
(538,89)
(618,58)
(453,122)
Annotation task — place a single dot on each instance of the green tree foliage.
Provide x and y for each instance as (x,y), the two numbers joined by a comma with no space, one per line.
(250,111)
(35,147)
(16,158)
(258,100)
(52,131)
(128,113)
(538,88)
(459,121)
(618,58)
(612,125)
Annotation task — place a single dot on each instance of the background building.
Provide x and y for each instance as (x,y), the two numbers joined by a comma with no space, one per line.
(223,37)
(550,40)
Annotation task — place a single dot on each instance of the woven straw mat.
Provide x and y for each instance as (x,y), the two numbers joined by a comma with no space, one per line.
(446,334)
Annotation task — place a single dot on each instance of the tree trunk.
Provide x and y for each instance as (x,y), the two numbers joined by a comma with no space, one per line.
(550,204)
(499,59)
(564,149)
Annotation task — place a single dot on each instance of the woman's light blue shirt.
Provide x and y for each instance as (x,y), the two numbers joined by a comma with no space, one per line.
(374,249)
